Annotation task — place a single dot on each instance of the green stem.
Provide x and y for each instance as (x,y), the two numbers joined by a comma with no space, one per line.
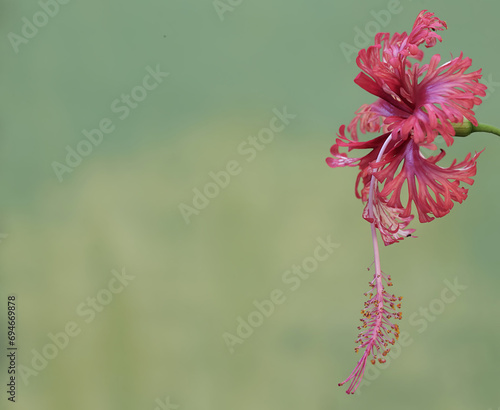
(486,128)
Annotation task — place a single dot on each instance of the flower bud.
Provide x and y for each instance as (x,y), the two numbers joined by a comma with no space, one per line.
(464,129)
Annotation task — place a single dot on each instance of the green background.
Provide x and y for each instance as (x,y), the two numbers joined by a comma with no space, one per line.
(119,209)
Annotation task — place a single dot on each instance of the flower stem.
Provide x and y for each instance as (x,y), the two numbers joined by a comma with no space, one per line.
(466,128)
(486,128)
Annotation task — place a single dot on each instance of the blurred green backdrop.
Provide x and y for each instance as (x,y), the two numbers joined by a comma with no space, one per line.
(158,343)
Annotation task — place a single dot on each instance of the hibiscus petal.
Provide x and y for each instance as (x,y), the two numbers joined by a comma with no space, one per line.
(391,225)
(432,188)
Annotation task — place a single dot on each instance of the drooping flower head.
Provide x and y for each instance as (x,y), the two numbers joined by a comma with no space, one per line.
(416,103)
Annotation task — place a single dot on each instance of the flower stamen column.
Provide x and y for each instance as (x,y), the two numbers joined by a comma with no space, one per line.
(375,339)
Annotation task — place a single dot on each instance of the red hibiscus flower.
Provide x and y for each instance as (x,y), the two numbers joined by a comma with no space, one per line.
(415,104)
